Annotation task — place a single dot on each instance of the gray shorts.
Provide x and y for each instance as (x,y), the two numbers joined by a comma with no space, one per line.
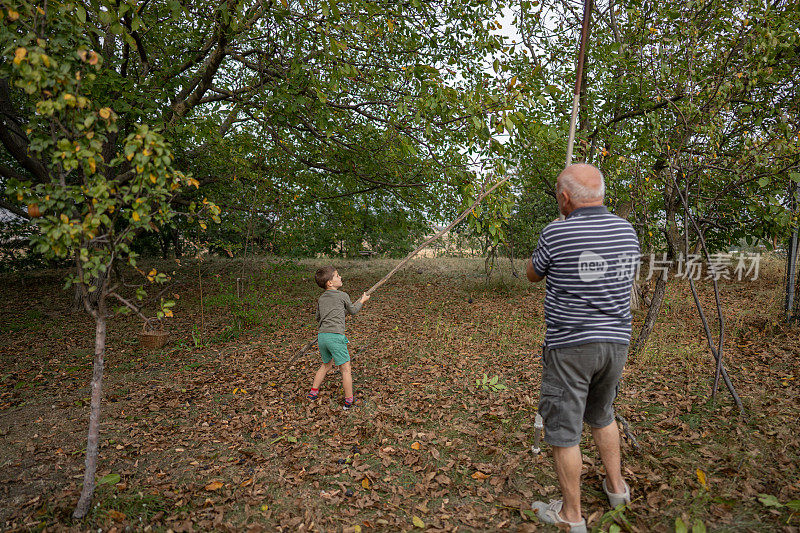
(579,383)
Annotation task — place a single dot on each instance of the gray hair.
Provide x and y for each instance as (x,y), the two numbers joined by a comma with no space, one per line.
(578,192)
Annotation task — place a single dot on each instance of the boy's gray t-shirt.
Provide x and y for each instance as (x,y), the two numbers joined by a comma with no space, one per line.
(332,307)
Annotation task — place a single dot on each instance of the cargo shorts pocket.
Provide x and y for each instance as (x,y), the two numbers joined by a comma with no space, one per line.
(550,407)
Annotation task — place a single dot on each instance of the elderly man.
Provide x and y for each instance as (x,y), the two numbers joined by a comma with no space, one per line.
(589,260)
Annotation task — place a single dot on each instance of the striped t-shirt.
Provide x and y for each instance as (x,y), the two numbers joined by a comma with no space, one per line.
(590,260)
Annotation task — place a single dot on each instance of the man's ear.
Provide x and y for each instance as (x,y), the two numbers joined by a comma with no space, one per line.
(565,199)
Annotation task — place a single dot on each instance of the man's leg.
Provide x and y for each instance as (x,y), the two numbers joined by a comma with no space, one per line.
(347,380)
(568,464)
(607,440)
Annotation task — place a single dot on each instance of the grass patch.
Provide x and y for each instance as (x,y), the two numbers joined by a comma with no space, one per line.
(28,319)
(228,405)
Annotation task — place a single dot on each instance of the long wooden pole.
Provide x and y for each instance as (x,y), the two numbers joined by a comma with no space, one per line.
(538,424)
(576,97)
(461,217)
(399,265)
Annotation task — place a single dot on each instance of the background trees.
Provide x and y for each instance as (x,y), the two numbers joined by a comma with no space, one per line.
(323,126)
(127,119)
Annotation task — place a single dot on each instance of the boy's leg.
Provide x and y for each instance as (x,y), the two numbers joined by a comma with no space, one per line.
(321,373)
(347,379)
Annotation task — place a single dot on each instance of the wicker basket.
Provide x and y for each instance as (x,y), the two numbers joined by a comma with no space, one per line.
(153,340)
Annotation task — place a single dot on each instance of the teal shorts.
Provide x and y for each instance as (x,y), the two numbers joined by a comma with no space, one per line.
(333,346)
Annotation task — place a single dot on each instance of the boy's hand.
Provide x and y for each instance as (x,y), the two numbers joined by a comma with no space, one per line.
(364,298)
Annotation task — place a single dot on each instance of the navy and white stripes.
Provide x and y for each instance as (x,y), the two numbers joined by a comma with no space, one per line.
(590,260)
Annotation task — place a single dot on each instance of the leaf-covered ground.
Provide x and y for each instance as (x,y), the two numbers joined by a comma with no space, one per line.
(214,432)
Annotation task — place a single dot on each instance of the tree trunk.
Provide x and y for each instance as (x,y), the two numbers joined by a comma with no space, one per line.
(635,304)
(652,313)
(92,298)
(488,263)
(176,242)
(92,444)
(671,204)
(163,242)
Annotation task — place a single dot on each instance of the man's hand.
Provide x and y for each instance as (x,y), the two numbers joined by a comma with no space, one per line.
(364,298)
(533,277)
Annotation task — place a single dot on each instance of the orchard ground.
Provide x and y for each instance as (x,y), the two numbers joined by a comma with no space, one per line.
(213,432)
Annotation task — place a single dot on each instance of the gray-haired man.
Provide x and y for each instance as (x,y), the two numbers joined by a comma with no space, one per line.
(589,260)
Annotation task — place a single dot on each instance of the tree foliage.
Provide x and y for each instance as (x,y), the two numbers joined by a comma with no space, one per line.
(696,97)
(122,120)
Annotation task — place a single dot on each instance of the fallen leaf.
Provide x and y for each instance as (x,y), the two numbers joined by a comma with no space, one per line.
(214,485)
(479,475)
(418,522)
(365,482)
(110,479)
(768,500)
(701,477)
(415,446)
(116,515)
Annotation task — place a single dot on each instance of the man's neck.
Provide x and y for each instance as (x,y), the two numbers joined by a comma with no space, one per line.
(576,207)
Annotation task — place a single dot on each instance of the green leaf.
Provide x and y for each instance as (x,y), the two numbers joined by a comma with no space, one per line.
(768,500)
(698,526)
(105,17)
(680,527)
(793,505)
(614,529)
(109,479)
(81,13)
(418,522)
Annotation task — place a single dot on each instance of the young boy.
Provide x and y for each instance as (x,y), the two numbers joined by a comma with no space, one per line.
(332,307)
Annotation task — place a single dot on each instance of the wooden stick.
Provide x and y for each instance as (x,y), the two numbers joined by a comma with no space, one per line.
(461,217)
(628,433)
(399,265)
(587,14)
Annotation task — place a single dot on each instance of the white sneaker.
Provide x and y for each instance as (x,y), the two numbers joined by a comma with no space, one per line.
(616,500)
(548,514)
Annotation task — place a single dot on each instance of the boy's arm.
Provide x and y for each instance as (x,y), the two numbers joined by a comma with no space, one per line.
(352,308)
(316,315)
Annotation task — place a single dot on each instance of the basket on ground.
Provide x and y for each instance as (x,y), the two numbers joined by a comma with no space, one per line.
(154,339)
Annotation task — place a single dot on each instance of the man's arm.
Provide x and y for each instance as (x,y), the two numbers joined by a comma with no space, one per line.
(530,272)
